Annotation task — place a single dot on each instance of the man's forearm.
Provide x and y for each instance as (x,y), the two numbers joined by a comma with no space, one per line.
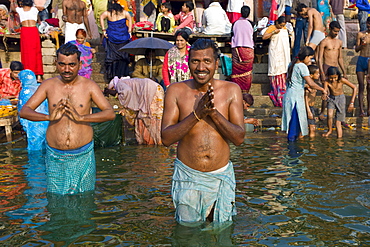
(28,113)
(228,130)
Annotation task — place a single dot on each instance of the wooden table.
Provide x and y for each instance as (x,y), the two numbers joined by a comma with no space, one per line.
(8,123)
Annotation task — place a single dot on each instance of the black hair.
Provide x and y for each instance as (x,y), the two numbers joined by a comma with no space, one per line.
(280,20)
(334,24)
(148,50)
(312,68)
(114,7)
(248,98)
(28,3)
(245,11)
(302,54)
(334,71)
(69,49)
(368,19)
(167,5)
(16,66)
(190,5)
(183,34)
(300,7)
(202,44)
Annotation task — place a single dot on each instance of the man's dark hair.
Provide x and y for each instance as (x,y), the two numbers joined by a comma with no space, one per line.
(28,3)
(69,49)
(16,66)
(368,20)
(202,44)
(334,24)
(300,7)
(245,11)
(190,5)
(167,5)
(248,98)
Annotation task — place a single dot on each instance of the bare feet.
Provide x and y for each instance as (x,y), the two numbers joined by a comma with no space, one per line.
(322,117)
(326,134)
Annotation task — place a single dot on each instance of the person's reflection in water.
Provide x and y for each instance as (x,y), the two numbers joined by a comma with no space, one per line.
(204,234)
(295,151)
(32,212)
(70,217)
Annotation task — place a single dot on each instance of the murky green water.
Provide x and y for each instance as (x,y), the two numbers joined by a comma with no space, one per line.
(315,193)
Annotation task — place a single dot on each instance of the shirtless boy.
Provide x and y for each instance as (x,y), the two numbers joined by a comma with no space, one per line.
(337,99)
(75,16)
(70,161)
(315,33)
(309,98)
(203,115)
(363,46)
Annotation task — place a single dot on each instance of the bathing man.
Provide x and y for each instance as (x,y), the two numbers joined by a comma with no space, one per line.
(70,160)
(75,17)
(203,115)
(315,32)
(363,46)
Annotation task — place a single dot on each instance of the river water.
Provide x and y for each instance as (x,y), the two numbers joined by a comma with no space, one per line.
(312,193)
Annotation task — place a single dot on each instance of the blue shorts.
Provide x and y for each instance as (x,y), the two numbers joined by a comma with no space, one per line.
(362,63)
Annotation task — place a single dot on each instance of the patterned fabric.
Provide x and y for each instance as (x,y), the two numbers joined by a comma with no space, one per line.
(324,8)
(70,171)
(86,59)
(195,192)
(278,88)
(8,86)
(242,67)
(178,66)
(36,131)
(144,98)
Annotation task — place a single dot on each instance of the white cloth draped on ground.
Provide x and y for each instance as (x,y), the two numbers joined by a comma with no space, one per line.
(145,97)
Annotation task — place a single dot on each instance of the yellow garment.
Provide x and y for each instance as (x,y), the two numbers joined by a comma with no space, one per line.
(142,69)
(172,22)
(99,7)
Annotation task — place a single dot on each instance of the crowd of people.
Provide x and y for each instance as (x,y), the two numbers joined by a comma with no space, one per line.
(198,112)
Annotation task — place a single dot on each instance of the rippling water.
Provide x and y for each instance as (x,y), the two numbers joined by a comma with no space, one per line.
(313,193)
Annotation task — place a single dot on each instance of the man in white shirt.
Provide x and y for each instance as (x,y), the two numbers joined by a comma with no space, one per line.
(215,19)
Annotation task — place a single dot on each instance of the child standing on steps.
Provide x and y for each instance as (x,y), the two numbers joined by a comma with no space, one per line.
(337,99)
(309,98)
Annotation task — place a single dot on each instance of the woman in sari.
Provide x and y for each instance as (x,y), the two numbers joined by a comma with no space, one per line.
(116,36)
(175,65)
(279,59)
(86,53)
(242,45)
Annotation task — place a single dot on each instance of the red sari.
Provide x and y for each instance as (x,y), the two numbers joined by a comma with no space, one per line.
(31,50)
(242,58)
